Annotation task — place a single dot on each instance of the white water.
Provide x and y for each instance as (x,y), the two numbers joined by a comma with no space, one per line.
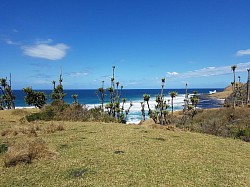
(135,116)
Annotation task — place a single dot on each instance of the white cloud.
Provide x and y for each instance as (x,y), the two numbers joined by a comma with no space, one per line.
(11,42)
(39,41)
(46,51)
(172,73)
(78,74)
(210,71)
(243,52)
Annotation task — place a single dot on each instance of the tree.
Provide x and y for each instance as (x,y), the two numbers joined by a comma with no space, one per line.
(38,99)
(233,67)
(101,95)
(143,110)
(58,92)
(160,113)
(173,94)
(3,82)
(194,99)
(146,98)
(248,86)
(114,107)
(232,83)
(162,85)
(54,84)
(7,99)
(75,96)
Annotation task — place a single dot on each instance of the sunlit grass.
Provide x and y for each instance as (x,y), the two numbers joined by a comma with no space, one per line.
(100,154)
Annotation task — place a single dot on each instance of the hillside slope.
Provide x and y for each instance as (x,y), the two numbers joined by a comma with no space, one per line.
(99,154)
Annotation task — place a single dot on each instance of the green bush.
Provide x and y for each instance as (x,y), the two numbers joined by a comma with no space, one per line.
(243,134)
(3,148)
(59,110)
(44,115)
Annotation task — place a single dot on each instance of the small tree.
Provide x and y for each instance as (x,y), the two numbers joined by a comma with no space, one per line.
(194,99)
(7,99)
(233,67)
(192,103)
(38,99)
(248,87)
(75,96)
(101,95)
(146,98)
(58,92)
(114,107)
(160,113)
(173,94)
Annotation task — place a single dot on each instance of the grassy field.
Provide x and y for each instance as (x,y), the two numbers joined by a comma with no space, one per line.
(99,154)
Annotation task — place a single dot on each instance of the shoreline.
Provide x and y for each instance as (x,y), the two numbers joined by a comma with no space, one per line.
(223,94)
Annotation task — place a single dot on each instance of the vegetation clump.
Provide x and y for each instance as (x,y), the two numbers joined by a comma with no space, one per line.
(226,122)
(160,114)
(115,107)
(61,111)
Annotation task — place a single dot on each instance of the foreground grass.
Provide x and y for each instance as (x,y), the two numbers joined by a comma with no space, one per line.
(99,154)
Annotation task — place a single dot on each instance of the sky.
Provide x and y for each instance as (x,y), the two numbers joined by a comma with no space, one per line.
(185,41)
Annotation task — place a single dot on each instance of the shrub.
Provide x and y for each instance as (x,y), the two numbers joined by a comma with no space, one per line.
(226,122)
(3,148)
(243,134)
(59,110)
(44,115)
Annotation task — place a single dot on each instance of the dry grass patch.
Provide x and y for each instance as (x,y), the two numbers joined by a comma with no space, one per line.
(20,112)
(17,130)
(25,152)
(53,127)
(16,115)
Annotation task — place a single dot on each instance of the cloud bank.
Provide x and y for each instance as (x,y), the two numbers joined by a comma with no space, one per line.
(46,51)
(209,71)
(243,52)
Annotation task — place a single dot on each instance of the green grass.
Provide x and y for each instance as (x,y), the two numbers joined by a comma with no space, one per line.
(99,154)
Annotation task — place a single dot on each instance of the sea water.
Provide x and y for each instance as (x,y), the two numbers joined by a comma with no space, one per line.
(89,98)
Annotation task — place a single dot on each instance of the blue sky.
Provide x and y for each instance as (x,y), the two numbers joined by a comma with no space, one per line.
(189,41)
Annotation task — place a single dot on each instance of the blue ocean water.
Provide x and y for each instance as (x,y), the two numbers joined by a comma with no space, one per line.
(89,98)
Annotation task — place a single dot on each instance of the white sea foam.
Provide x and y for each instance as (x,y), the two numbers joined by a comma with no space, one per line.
(135,116)
(28,107)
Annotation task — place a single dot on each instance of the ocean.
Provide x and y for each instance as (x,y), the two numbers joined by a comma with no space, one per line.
(89,98)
